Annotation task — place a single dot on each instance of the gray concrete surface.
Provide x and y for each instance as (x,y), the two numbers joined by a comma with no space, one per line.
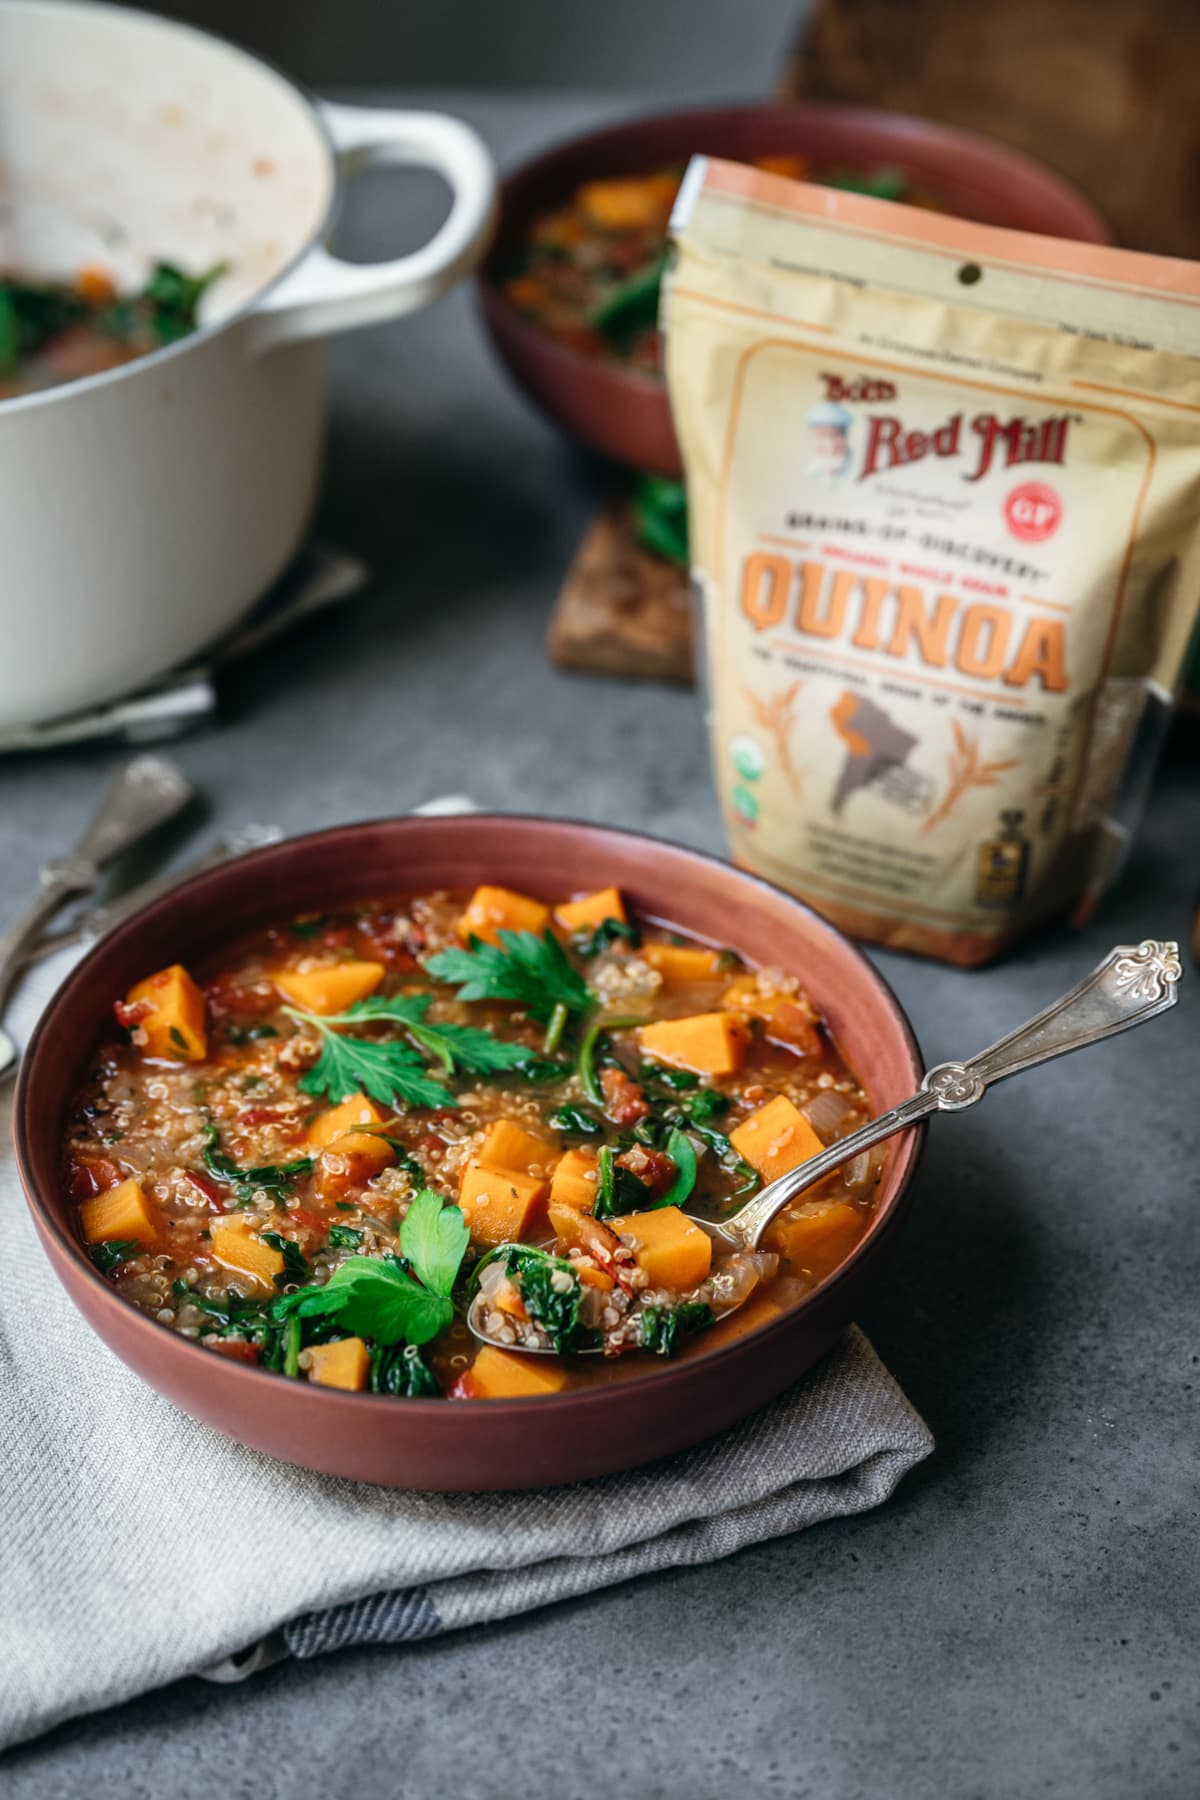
(1021,1620)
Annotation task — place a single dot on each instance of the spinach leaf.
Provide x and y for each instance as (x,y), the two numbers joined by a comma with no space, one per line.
(618,1190)
(575,1121)
(276,1178)
(679,1149)
(295,1263)
(553,1297)
(661,1327)
(589,1054)
(109,1256)
(402,1371)
(249,1034)
(590,942)
(344,1237)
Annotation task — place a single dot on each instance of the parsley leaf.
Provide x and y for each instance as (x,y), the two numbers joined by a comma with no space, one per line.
(377,1297)
(434,1240)
(462,1047)
(530,970)
(390,1071)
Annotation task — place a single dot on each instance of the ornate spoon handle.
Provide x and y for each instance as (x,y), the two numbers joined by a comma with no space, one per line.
(1131,985)
(142,796)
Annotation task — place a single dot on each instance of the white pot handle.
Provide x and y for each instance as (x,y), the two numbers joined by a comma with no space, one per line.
(324,294)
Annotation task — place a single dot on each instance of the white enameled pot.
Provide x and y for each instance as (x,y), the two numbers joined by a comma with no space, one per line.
(143,510)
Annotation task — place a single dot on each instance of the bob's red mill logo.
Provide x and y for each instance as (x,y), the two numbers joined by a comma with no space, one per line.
(986,440)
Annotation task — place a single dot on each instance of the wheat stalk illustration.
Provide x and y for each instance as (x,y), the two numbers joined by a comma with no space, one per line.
(776,716)
(965,771)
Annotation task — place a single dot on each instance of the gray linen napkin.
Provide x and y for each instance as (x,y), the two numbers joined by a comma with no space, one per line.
(110,1499)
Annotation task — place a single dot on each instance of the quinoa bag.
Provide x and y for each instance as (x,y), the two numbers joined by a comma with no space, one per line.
(944,493)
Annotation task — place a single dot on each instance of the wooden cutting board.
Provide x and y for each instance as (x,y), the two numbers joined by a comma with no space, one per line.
(622,610)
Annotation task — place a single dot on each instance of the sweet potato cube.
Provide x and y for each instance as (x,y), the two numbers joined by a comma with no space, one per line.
(350,1161)
(679,964)
(174,1023)
(506,1298)
(776,1138)
(596,1278)
(125,1211)
(495,909)
(357,1110)
(629,202)
(711,1043)
(578,1230)
(331,988)
(498,1375)
(344,1364)
(577,915)
(238,1250)
(672,1249)
(516,1152)
(574,1182)
(816,1238)
(501,1207)
(787,1018)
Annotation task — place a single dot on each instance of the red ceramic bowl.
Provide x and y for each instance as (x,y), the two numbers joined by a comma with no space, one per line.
(625,414)
(477,1444)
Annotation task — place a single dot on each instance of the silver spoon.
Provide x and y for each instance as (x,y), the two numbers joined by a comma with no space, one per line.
(144,795)
(1131,985)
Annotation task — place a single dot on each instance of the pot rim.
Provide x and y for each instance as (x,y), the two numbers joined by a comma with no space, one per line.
(203,334)
(60,1243)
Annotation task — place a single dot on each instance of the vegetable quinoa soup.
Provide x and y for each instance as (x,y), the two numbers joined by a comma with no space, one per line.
(52,331)
(317,1154)
(589,272)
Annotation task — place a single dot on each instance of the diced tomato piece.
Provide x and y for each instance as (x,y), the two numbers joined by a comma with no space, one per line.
(624,1101)
(338,937)
(128,1015)
(308,1220)
(463,1388)
(389,950)
(215,1195)
(226,996)
(652,1167)
(92,1175)
(432,1146)
(236,1349)
(792,1026)
(263,1115)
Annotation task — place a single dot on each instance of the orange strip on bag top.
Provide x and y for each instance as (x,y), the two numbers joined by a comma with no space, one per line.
(944,501)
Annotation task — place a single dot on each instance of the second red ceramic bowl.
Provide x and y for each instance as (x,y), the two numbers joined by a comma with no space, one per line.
(468,1445)
(625,414)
